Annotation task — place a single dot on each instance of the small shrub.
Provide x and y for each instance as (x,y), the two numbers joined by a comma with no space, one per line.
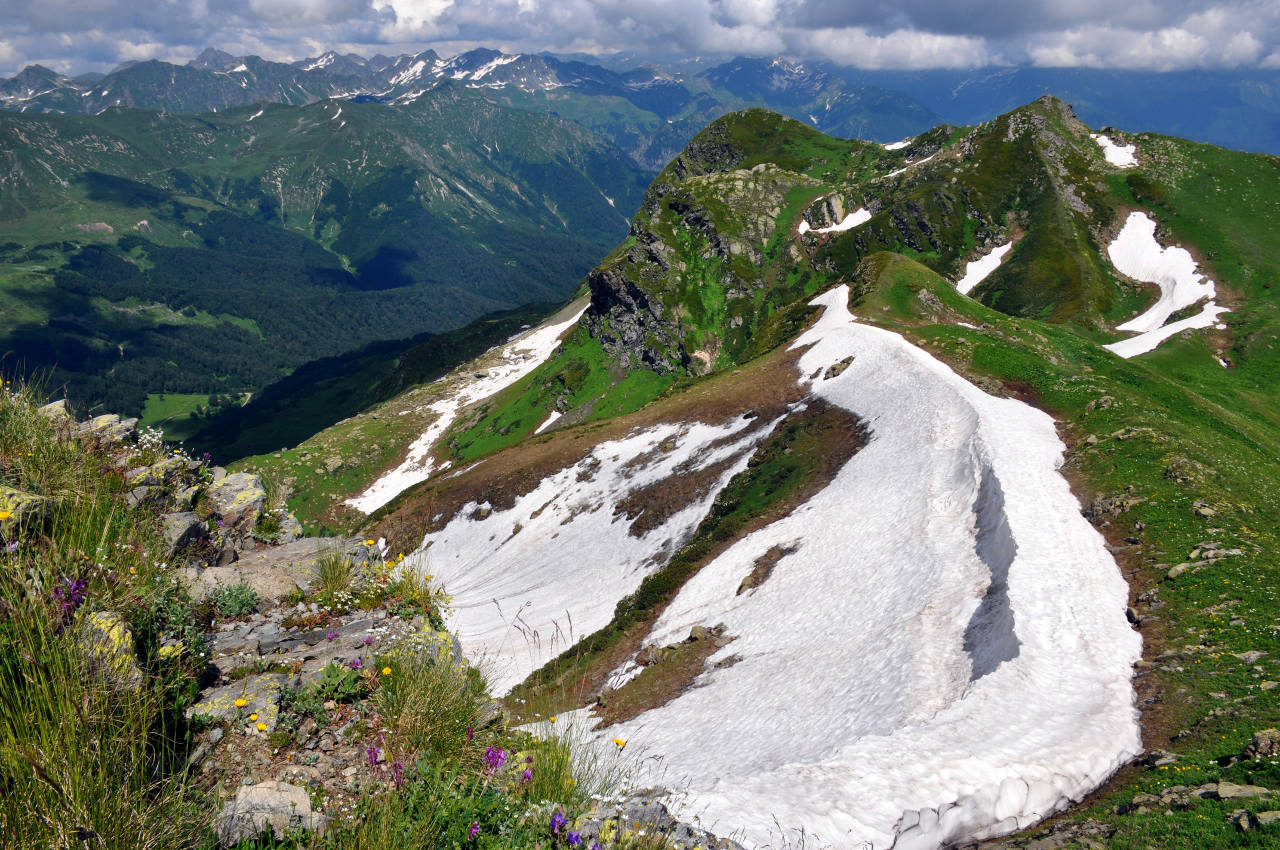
(235,600)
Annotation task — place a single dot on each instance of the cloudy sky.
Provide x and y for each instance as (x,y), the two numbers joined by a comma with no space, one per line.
(73,36)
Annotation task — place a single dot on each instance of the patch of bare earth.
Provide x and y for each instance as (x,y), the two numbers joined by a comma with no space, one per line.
(668,672)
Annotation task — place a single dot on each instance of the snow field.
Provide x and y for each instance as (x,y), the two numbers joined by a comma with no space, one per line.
(530,581)
(519,357)
(976,272)
(859,216)
(1136,253)
(897,146)
(1120,156)
(945,655)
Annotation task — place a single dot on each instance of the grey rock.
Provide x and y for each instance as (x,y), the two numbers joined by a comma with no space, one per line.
(1265,743)
(261,695)
(238,499)
(56,411)
(1267,818)
(179,530)
(1232,791)
(1244,820)
(107,428)
(107,641)
(24,509)
(280,806)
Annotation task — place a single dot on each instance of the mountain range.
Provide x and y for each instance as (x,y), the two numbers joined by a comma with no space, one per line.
(651,111)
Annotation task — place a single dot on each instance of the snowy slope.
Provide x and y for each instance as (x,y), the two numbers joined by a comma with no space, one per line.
(944,655)
(529,582)
(515,360)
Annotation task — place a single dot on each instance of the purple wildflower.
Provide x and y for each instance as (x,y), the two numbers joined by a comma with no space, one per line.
(373,753)
(558,820)
(70,595)
(356,664)
(596,846)
(221,523)
(397,773)
(12,547)
(368,640)
(574,839)
(475,829)
(331,635)
(494,758)
(471,734)
(526,776)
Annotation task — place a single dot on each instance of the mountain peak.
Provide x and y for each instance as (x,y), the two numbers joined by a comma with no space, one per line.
(212,59)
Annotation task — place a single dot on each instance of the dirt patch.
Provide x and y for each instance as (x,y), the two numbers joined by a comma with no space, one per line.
(668,672)
(763,566)
(650,506)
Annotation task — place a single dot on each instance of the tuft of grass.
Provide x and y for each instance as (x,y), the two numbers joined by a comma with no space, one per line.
(333,573)
(432,706)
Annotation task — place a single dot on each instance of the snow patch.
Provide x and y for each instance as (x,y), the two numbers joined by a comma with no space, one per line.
(547,423)
(410,74)
(852,220)
(1117,155)
(944,657)
(529,582)
(239,69)
(489,67)
(976,272)
(1136,253)
(256,114)
(910,165)
(897,146)
(1142,343)
(804,227)
(518,358)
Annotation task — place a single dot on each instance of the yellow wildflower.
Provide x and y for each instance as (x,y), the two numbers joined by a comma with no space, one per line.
(553,718)
(621,743)
(369,542)
(241,702)
(253,716)
(5,514)
(386,671)
(262,727)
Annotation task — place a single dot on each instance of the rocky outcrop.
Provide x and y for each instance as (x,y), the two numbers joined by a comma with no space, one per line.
(630,324)
(273,571)
(278,806)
